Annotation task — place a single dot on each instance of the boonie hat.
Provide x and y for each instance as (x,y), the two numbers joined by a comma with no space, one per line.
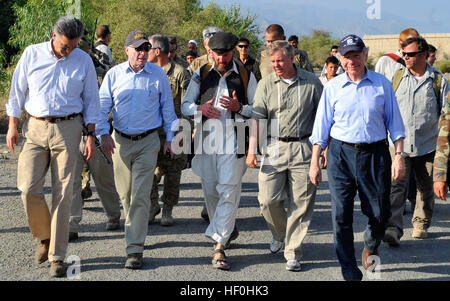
(349,43)
(136,38)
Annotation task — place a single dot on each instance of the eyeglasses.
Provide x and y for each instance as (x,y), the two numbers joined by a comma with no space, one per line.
(64,48)
(412,54)
(243,46)
(145,47)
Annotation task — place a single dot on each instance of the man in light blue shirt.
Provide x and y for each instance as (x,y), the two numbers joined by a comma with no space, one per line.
(139,95)
(354,112)
(55,83)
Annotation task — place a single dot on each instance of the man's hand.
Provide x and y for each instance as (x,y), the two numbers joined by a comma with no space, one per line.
(107,145)
(398,168)
(208,109)
(323,158)
(315,174)
(12,137)
(230,103)
(441,190)
(89,148)
(251,161)
(168,149)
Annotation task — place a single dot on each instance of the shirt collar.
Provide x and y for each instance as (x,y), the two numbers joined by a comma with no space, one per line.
(52,53)
(147,68)
(298,75)
(234,68)
(346,80)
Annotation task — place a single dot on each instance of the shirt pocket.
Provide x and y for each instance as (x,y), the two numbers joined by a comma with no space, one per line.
(71,86)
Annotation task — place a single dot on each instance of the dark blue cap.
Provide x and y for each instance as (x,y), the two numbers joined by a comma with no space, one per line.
(349,43)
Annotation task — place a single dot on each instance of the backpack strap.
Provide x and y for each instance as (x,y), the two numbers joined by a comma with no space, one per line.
(437,89)
(398,75)
(396,58)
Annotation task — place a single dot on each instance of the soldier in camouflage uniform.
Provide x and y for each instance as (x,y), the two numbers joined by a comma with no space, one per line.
(173,52)
(168,167)
(273,33)
(205,59)
(440,173)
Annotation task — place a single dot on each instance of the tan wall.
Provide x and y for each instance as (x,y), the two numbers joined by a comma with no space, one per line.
(380,44)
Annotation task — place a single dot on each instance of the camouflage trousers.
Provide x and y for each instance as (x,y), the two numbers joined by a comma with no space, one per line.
(171,170)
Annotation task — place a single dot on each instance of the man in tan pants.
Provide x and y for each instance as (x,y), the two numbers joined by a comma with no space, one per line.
(54,82)
(139,95)
(287,99)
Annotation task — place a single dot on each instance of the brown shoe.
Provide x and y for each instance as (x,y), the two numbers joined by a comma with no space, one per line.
(57,268)
(42,251)
(420,232)
(365,258)
(134,261)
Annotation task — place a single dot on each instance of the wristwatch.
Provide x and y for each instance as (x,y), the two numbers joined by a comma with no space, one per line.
(403,154)
(240,108)
(91,133)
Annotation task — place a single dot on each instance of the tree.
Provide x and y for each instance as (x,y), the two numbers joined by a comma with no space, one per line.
(318,46)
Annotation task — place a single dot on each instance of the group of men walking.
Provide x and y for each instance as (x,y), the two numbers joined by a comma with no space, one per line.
(241,108)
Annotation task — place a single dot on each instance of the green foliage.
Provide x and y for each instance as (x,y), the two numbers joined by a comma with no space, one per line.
(443,66)
(183,18)
(318,46)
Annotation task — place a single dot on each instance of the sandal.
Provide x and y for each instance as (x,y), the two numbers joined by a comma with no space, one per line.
(220,263)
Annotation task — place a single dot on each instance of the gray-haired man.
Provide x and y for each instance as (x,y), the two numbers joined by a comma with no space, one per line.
(206,58)
(55,83)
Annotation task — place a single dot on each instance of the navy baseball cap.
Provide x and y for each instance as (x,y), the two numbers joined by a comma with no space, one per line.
(349,43)
(136,38)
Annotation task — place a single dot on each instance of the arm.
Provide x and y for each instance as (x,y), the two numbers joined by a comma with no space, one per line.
(251,159)
(315,174)
(440,171)
(102,127)
(398,165)
(12,137)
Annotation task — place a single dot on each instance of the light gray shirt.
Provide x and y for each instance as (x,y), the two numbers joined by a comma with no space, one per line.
(419,110)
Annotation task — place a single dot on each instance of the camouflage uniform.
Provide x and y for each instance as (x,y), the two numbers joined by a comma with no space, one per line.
(442,146)
(180,61)
(198,62)
(300,59)
(170,168)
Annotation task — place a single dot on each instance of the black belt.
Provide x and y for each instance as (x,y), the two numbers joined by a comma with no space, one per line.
(57,119)
(290,139)
(137,136)
(365,146)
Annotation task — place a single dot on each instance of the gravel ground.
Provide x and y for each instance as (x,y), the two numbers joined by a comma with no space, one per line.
(183,253)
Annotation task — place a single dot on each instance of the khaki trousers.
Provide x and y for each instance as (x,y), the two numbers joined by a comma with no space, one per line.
(53,146)
(103,175)
(134,165)
(284,175)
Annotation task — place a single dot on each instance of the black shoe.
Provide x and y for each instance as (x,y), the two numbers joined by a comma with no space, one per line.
(204,214)
(134,261)
(73,236)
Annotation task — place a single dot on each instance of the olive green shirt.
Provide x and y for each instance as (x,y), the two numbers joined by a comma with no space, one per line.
(293,106)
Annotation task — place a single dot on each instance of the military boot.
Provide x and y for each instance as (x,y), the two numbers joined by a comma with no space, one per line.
(154,210)
(167,219)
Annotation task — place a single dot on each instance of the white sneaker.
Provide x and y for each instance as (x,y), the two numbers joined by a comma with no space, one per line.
(276,246)
(293,265)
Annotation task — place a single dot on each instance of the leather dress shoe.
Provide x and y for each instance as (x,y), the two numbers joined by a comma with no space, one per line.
(42,251)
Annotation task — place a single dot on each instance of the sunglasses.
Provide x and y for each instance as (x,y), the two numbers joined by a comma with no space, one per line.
(64,48)
(412,54)
(145,47)
(209,34)
(243,46)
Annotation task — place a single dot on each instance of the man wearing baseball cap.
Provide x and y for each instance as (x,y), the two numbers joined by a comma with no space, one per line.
(217,92)
(139,95)
(354,112)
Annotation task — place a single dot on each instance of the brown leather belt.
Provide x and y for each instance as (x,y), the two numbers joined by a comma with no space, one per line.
(137,136)
(56,119)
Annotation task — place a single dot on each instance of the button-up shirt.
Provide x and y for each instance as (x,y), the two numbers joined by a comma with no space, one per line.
(288,108)
(139,100)
(46,86)
(357,112)
(419,109)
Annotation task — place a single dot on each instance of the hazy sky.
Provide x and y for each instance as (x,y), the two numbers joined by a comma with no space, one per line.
(342,16)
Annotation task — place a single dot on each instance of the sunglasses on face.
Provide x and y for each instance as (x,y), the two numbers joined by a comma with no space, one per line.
(209,34)
(243,46)
(411,54)
(65,48)
(145,47)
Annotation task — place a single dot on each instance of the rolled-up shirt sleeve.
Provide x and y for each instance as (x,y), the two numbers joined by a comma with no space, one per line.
(323,121)
(392,115)
(90,96)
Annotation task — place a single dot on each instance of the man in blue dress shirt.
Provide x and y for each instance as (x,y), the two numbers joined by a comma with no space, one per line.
(55,83)
(355,111)
(139,95)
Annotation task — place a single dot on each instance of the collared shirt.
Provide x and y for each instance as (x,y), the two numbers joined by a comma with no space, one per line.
(189,107)
(419,109)
(46,86)
(300,60)
(357,112)
(387,66)
(291,107)
(139,100)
